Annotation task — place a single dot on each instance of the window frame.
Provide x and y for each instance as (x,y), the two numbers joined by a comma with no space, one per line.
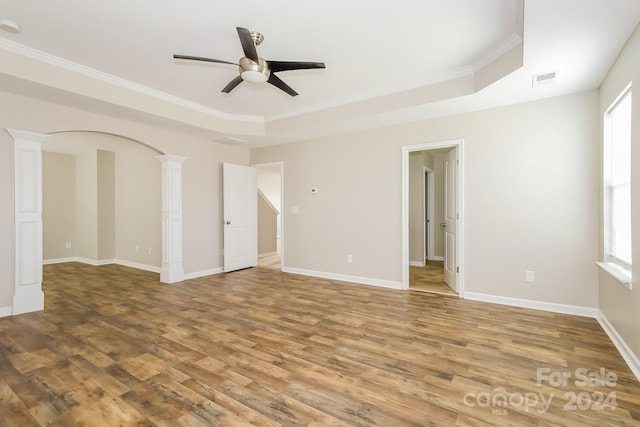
(619,268)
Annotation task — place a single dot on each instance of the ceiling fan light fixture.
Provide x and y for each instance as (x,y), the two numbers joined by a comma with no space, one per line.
(252,72)
(255,77)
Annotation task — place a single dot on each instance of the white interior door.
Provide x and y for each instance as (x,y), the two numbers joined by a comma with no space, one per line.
(240,211)
(450,219)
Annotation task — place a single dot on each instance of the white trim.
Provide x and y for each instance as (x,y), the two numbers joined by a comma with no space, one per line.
(436,258)
(136,265)
(172,269)
(203,273)
(456,73)
(504,47)
(83,70)
(266,199)
(575,310)
(459,143)
(345,278)
(416,264)
(98,263)
(59,260)
(27,221)
(428,212)
(622,275)
(6,311)
(624,350)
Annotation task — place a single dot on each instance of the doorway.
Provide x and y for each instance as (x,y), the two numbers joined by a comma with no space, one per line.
(433,243)
(270,224)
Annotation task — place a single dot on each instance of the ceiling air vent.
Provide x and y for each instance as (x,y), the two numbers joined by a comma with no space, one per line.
(544,79)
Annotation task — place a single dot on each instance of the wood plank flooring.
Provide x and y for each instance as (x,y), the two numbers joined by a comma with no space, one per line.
(429,278)
(114,347)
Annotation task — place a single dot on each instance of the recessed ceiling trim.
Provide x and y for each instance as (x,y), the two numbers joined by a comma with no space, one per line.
(454,74)
(230,140)
(126,84)
(505,46)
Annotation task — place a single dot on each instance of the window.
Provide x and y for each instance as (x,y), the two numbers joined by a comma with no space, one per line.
(617,184)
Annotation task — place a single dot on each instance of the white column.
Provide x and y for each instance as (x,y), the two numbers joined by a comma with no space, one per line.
(27,149)
(172,270)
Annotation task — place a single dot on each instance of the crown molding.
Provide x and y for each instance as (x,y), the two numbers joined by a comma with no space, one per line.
(505,46)
(453,74)
(56,61)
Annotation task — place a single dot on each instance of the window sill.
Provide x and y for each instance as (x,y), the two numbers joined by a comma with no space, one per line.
(622,275)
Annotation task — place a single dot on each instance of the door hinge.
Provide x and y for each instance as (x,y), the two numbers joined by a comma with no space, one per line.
(457,269)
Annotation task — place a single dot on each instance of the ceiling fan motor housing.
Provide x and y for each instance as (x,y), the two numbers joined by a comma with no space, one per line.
(253,72)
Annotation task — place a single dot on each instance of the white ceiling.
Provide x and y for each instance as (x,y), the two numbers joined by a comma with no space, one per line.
(386,61)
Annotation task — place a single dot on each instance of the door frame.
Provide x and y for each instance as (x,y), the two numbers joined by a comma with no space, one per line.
(459,144)
(281,219)
(428,212)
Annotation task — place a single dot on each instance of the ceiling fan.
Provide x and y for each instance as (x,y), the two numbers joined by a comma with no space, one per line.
(254,69)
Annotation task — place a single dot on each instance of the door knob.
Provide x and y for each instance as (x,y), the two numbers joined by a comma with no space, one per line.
(443,225)
(227,222)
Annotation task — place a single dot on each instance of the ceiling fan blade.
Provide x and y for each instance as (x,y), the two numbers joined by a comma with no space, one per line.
(232,84)
(247,44)
(276,66)
(200,58)
(275,80)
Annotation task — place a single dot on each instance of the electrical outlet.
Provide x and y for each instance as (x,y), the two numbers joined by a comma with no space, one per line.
(67,245)
(529,276)
(137,248)
(149,251)
(349,258)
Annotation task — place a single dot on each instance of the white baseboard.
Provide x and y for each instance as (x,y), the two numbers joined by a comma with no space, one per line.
(575,310)
(59,260)
(6,311)
(97,263)
(624,350)
(436,258)
(344,278)
(144,267)
(203,273)
(416,264)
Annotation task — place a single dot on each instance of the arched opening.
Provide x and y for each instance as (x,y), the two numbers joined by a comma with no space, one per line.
(77,198)
(91,205)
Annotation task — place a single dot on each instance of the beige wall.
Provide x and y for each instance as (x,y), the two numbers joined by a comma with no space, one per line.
(127,194)
(267,226)
(58,205)
(138,205)
(87,205)
(620,305)
(106,188)
(202,175)
(524,208)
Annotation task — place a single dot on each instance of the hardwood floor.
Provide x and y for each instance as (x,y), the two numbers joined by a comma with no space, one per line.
(429,278)
(270,261)
(114,347)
